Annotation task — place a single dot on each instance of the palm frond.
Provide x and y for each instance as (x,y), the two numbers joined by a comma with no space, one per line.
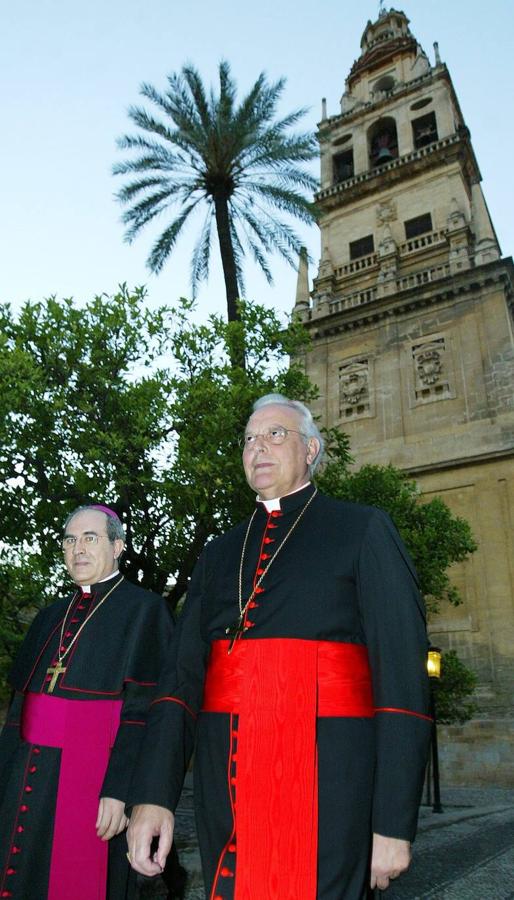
(201,255)
(166,241)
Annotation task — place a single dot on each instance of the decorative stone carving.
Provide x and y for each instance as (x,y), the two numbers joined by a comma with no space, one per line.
(429,365)
(388,244)
(386,212)
(432,371)
(354,388)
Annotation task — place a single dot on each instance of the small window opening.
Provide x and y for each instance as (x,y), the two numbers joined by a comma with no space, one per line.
(424,130)
(343,165)
(419,225)
(363,247)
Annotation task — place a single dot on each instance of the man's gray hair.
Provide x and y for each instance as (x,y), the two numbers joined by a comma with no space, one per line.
(308,426)
(114,528)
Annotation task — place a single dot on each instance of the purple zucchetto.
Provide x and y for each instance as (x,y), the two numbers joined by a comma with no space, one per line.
(105,509)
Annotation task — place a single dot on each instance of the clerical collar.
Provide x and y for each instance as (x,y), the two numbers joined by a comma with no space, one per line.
(271,505)
(86,588)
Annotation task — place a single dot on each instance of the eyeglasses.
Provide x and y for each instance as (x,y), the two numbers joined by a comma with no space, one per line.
(88,539)
(275,435)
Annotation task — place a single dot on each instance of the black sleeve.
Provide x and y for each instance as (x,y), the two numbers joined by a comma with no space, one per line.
(393,619)
(169,737)
(154,630)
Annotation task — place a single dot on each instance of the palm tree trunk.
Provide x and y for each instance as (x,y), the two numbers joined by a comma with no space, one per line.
(236,339)
(227,257)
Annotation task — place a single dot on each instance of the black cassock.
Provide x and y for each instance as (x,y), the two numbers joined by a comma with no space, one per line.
(117,657)
(343,576)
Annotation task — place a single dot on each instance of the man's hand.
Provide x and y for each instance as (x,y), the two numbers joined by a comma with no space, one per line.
(111,818)
(389,858)
(149,821)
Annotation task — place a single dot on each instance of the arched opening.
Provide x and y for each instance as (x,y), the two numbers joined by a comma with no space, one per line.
(384,84)
(382,142)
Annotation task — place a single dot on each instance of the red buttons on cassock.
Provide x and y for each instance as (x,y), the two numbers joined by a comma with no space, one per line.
(28,789)
(68,634)
(6,894)
(232,781)
(33,769)
(272,525)
(276,512)
(226,872)
(268,540)
(15,850)
(231,848)
(265,555)
(259,589)
(260,571)
(11,871)
(253,605)
(36,750)
(24,808)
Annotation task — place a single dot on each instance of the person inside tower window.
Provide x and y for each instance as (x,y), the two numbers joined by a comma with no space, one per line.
(83,681)
(299,668)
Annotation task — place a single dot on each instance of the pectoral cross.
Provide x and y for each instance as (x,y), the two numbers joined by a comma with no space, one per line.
(54,671)
(235,631)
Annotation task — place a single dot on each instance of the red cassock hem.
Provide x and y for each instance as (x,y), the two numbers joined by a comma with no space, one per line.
(278,688)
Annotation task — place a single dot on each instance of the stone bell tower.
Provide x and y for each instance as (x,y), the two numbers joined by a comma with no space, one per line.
(411,319)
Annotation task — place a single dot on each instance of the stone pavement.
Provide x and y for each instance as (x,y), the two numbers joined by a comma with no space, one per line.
(464,853)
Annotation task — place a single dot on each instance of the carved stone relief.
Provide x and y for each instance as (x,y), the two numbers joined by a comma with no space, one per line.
(354,388)
(431,371)
(386,212)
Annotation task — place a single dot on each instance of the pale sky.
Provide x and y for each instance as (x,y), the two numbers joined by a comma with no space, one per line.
(69,69)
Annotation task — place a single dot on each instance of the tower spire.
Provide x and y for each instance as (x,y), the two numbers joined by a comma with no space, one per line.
(302,284)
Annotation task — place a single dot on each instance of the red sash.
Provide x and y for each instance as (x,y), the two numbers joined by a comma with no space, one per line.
(85,730)
(278,687)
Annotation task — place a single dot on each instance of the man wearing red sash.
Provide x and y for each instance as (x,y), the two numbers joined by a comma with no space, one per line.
(299,666)
(82,684)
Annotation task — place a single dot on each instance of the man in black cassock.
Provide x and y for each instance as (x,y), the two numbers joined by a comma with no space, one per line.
(299,666)
(82,683)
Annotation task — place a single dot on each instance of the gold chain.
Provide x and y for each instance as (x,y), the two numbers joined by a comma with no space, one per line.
(84,623)
(243,609)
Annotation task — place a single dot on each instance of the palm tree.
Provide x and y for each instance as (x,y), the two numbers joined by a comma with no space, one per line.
(239,160)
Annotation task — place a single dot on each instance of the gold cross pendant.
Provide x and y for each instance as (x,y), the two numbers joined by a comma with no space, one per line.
(54,671)
(235,631)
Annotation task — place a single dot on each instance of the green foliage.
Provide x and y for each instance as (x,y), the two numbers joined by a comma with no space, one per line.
(140,409)
(112,402)
(21,584)
(454,690)
(434,536)
(238,162)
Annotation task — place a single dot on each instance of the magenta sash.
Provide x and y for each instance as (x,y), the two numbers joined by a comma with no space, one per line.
(85,731)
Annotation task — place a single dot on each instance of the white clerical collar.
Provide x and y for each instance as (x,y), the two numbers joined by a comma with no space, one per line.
(87,587)
(271,505)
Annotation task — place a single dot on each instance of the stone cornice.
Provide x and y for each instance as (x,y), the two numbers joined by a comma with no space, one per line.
(415,297)
(458,462)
